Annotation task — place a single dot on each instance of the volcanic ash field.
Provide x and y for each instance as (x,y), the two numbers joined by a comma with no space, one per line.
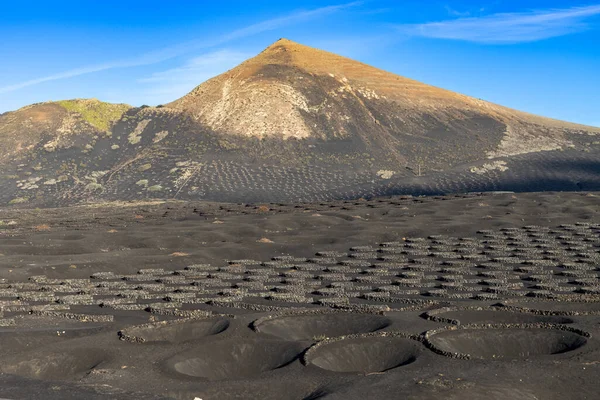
(474,296)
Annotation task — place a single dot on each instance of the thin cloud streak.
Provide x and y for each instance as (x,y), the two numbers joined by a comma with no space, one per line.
(282,21)
(184,48)
(457,13)
(508,28)
(175,82)
(208,65)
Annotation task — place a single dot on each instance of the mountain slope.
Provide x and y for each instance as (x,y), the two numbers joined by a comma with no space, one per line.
(60,123)
(294,91)
(291,124)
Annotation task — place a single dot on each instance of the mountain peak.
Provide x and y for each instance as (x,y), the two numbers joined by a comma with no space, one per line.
(290,90)
(288,52)
(329,127)
(285,44)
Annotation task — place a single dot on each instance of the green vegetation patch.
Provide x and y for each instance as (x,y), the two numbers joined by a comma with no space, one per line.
(95,112)
(19,200)
(155,188)
(94,187)
(144,167)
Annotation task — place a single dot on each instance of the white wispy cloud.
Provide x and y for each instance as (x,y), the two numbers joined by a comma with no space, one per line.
(175,82)
(160,55)
(199,68)
(456,13)
(286,20)
(507,28)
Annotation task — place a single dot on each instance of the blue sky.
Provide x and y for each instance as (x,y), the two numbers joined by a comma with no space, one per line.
(537,56)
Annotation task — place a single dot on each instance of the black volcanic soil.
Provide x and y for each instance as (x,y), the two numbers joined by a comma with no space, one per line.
(473,296)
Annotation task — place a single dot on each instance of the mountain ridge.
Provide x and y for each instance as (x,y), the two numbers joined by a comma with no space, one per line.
(213,102)
(291,124)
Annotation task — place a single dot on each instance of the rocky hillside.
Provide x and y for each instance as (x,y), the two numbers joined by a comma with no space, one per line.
(294,91)
(291,124)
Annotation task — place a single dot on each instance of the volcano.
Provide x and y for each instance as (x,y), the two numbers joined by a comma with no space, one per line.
(292,124)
